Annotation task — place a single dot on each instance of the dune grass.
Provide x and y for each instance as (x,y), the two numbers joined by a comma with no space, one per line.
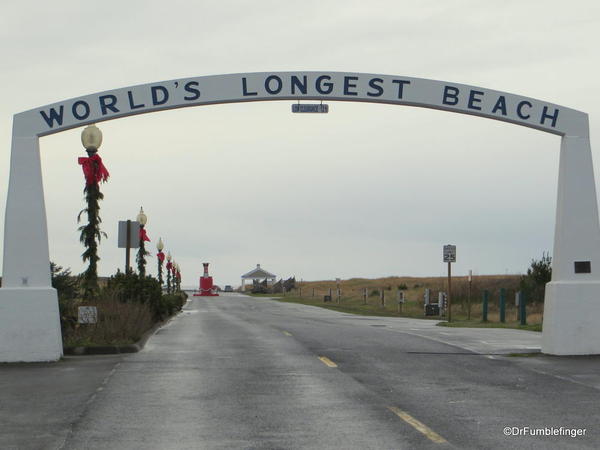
(352,298)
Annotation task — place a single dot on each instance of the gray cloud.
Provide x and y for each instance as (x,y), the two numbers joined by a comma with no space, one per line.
(367,190)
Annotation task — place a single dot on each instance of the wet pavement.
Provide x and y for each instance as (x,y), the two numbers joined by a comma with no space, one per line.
(240,372)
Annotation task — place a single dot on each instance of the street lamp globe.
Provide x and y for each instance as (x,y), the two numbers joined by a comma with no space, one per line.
(91,138)
(141,217)
(160,245)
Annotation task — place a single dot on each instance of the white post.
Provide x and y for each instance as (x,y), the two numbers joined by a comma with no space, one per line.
(29,317)
(572,300)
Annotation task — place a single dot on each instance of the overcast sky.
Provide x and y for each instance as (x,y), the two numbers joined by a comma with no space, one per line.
(365,191)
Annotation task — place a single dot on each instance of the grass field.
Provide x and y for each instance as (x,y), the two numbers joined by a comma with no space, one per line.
(352,299)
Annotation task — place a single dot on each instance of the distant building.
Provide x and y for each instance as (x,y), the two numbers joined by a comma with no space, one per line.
(258,274)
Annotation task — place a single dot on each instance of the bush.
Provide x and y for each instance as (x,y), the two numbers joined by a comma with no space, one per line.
(131,288)
(404,287)
(66,285)
(170,304)
(534,283)
(128,306)
(374,293)
(118,323)
(67,289)
(259,287)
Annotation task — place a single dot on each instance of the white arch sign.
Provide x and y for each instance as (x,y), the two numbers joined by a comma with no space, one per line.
(29,321)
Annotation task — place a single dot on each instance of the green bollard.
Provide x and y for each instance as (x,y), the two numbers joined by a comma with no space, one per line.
(484,309)
(522,309)
(502,305)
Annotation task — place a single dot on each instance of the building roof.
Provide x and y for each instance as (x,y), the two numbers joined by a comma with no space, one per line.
(259,273)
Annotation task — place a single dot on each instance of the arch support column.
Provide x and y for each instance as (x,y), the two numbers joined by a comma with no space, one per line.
(29,316)
(572,299)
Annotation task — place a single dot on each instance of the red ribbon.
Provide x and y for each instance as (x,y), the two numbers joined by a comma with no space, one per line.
(93,169)
(169,265)
(179,275)
(143,235)
(160,256)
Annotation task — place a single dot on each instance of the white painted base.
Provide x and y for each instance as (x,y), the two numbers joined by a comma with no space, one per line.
(29,325)
(571,318)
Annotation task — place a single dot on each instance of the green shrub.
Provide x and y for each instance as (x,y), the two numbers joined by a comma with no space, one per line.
(170,304)
(131,288)
(66,285)
(403,286)
(127,306)
(67,289)
(534,283)
(119,323)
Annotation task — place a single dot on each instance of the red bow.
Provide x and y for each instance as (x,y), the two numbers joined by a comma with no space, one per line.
(93,169)
(169,265)
(160,256)
(143,235)
(179,275)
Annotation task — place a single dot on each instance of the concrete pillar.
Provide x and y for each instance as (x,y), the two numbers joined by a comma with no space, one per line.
(572,300)
(29,317)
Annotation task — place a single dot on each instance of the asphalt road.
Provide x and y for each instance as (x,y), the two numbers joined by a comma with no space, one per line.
(238,372)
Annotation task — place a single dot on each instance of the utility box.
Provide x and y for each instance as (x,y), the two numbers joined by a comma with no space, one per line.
(432,309)
(327,298)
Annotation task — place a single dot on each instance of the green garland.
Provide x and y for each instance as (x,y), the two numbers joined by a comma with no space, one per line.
(90,237)
(168,280)
(141,258)
(160,277)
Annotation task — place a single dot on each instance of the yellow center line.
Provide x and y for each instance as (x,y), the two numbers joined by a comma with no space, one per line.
(287,333)
(325,360)
(420,426)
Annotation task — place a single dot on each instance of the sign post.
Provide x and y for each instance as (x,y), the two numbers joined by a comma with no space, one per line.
(129,237)
(449,257)
(128,247)
(469,295)
(400,301)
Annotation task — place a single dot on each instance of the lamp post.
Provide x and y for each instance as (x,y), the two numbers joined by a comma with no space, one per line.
(178,277)
(169,266)
(174,276)
(142,253)
(94,173)
(160,257)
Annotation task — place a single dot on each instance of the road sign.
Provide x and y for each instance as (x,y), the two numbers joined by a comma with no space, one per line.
(134,234)
(310,108)
(449,253)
